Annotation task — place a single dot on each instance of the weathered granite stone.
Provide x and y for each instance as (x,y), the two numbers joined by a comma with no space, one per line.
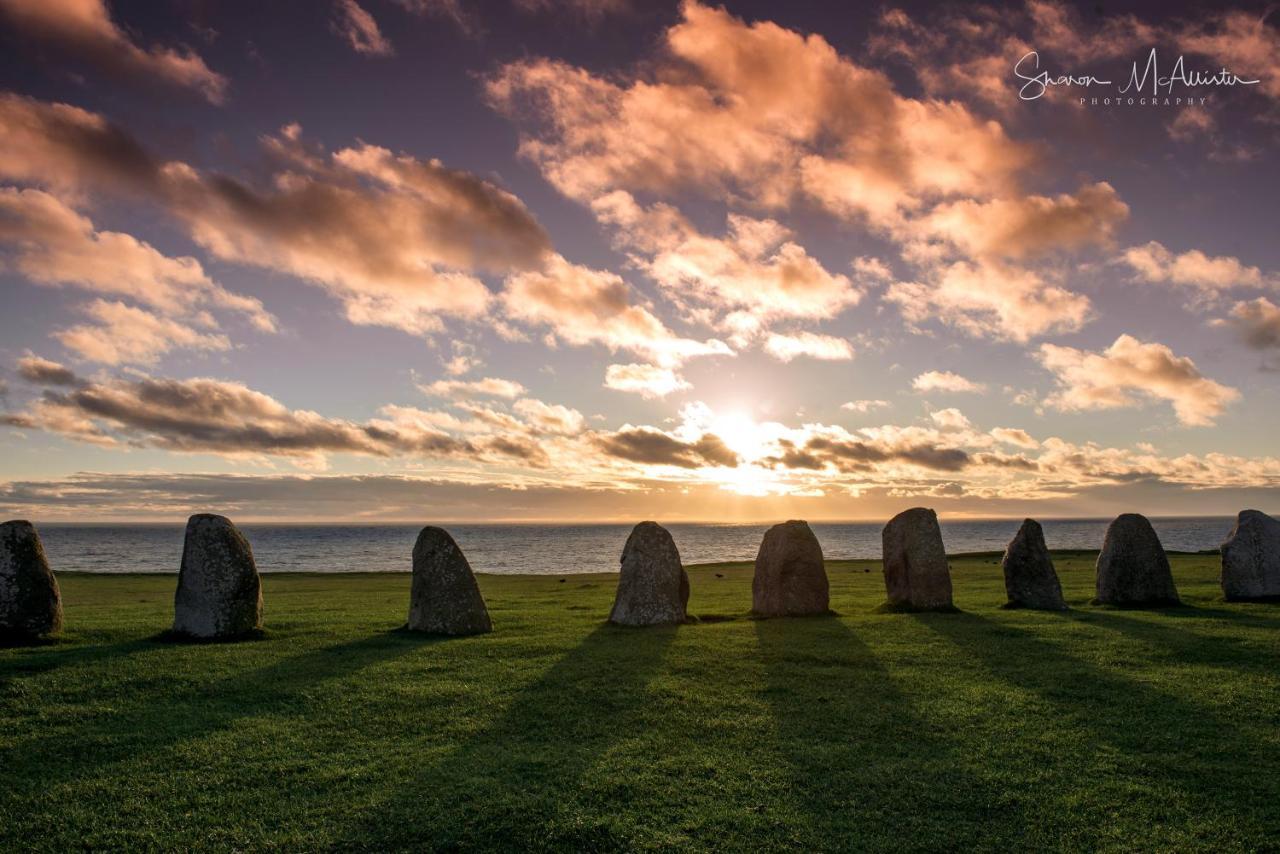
(916,573)
(30,603)
(653,588)
(219,592)
(444,598)
(790,579)
(1251,558)
(1133,569)
(1029,577)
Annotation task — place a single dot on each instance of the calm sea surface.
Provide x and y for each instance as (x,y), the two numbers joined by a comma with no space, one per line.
(545,549)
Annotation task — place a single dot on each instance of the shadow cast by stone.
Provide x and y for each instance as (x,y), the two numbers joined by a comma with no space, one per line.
(847,731)
(527,761)
(117,734)
(1155,731)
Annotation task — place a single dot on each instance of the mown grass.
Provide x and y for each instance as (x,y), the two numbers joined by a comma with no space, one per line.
(984,729)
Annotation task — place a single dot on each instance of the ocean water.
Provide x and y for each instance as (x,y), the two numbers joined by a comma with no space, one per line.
(547,549)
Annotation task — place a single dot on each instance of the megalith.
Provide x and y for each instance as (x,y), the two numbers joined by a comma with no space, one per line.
(1029,578)
(916,573)
(1251,558)
(444,598)
(1133,569)
(30,602)
(790,578)
(219,592)
(653,588)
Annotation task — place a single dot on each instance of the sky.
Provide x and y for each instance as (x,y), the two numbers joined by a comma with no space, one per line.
(598,260)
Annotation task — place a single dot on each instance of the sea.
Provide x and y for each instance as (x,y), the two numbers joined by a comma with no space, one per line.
(535,549)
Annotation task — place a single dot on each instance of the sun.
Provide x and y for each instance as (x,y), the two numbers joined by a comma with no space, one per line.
(741,434)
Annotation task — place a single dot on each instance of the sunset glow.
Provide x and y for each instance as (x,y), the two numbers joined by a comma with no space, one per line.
(591,261)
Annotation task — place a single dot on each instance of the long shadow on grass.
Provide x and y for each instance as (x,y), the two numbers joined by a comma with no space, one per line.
(865,763)
(1218,766)
(165,716)
(516,783)
(1184,644)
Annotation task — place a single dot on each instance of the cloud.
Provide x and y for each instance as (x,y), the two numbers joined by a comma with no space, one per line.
(991,299)
(396,238)
(825,347)
(950,419)
(1257,322)
(1241,41)
(753,274)
(860,455)
(358,27)
(1152,262)
(462,389)
(585,306)
(124,334)
(204,415)
(52,244)
(945,381)
(550,418)
(1026,225)
(71,148)
(752,111)
(1128,371)
(1014,436)
(648,381)
(37,370)
(865,405)
(83,29)
(650,446)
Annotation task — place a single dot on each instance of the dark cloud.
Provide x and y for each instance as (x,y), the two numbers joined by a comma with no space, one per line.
(653,447)
(219,417)
(856,456)
(44,372)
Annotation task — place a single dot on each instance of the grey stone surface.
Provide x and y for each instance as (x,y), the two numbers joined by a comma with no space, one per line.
(219,591)
(1251,558)
(1029,578)
(444,598)
(30,602)
(1133,569)
(653,588)
(790,578)
(916,573)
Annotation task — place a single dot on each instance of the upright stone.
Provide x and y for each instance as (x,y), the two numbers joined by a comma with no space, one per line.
(444,598)
(30,604)
(219,591)
(1251,558)
(1133,569)
(653,588)
(790,579)
(1029,578)
(916,574)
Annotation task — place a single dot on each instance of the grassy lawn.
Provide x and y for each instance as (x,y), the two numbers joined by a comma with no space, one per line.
(986,729)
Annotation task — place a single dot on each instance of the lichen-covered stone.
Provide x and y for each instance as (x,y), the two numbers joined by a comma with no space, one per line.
(653,588)
(219,592)
(791,578)
(1029,578)
(30,602)
(444,598)
(1251,558)
(1133,569)
(916,573)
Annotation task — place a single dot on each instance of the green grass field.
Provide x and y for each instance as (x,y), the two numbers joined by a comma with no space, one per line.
(990,729)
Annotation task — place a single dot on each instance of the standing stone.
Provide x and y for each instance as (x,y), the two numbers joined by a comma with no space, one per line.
(219,591)
(1251,558)
(30,603)
(653,588)
(790,579)
(1029,578)
(1132,566)
(916,574)
(444,598)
